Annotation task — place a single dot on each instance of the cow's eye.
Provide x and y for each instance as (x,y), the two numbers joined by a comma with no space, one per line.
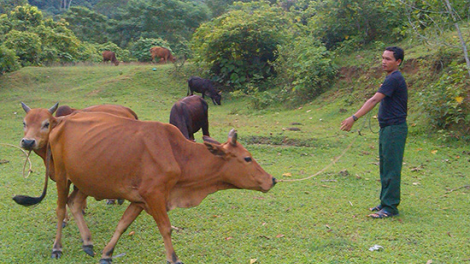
(46,125)
(24,124)
(248,159)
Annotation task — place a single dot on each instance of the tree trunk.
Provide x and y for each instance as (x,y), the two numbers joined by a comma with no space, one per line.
(462,41)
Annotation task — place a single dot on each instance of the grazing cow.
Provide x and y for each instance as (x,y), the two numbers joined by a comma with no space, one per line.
(200,85)
(37,127)
(163,53)
(110,56)
(150,164)
(189,115)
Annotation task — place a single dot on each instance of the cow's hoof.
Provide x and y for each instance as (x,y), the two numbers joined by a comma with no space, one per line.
(89,250)
(56,254)
(106,261)
(120,201)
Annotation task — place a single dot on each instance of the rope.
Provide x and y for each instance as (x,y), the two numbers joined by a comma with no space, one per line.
(334,160)
(27,159)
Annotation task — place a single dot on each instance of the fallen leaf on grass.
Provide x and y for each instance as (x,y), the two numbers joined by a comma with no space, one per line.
(287,174)
(429,261)
(131,233)
(228,238)
(434,151)
(253,261)
(4,161)
(279,236)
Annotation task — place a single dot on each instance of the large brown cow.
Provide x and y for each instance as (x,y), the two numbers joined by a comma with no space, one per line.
(163,53)
(37,127)
(189,115)
(110,56)
(150,164)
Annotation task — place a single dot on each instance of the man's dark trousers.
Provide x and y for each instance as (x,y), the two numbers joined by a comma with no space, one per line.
(392,141)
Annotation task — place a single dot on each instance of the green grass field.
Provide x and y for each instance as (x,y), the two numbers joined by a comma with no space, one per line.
(320,220)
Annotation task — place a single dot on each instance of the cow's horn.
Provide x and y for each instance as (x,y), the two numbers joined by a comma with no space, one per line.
(25,107)
(232,136)
(54,108)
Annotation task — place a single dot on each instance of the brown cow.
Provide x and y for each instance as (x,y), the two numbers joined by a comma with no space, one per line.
(150,164)
(110,56)
(189,115)
(163,53)
(37,127)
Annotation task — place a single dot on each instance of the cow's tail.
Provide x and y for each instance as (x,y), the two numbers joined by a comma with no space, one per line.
(28,200)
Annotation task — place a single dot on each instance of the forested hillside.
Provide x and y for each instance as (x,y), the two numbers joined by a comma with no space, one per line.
(287,51)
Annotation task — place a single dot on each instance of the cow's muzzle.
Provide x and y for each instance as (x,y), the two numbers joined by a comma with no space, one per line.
(274,181)
(28,144)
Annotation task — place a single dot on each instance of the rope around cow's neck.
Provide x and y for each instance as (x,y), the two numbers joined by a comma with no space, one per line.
(27,159)
(334,160)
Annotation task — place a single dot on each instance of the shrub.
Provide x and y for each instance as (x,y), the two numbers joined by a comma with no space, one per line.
(447,101)
(305,69)
(8,60)
(27,46)
(240,46)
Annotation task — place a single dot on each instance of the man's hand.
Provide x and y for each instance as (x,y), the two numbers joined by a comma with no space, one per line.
(347,124)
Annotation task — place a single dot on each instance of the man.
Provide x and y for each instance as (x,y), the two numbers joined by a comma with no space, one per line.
(393,98)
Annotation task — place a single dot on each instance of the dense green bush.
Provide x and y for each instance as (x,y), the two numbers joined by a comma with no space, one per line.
(447,101)
(305,69)
(362,21)
(241,45)
(8,60)
(26,44)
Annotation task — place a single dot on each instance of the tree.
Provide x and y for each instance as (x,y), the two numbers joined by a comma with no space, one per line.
(241,45)
(166,19)
(358,22)
(87,24)
(432,19)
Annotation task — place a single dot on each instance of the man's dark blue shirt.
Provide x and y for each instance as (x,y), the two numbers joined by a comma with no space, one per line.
(394,107)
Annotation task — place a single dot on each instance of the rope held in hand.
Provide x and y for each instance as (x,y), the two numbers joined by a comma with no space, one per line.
(334,160)
(27,159)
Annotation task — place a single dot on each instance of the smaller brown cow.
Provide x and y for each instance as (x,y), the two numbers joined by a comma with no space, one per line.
(163,53)
(110,56)
(189,115)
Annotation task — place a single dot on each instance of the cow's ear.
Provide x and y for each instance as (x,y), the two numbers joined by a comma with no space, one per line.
(209,140)
(215,149)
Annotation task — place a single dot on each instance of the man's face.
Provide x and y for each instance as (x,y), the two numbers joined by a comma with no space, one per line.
(389,64)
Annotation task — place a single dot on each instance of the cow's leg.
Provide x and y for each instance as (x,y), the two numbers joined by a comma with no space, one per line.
(62,193)
(205,128)
(157,208)
(131,213)
(76,201)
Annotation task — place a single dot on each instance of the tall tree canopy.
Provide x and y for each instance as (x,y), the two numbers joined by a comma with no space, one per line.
(172,20)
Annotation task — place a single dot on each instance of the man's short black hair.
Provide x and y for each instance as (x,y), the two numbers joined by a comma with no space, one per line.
(398,53)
